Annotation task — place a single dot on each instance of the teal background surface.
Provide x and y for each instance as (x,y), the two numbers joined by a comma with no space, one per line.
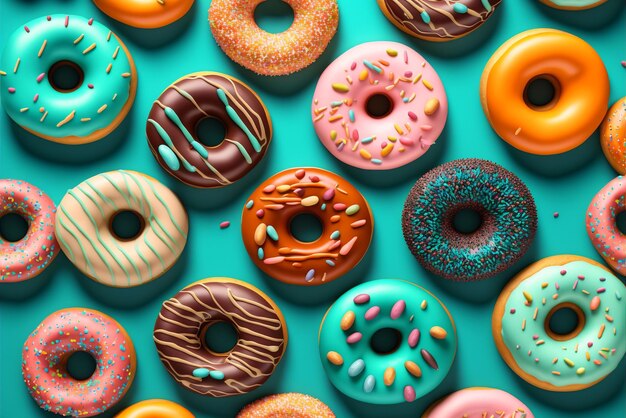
(564,183)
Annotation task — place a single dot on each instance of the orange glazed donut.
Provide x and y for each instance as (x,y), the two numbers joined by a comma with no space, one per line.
(155,408)
(581,91)
(613,136)
(146,14)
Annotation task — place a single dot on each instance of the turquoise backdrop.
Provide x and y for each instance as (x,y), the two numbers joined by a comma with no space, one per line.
(564,184)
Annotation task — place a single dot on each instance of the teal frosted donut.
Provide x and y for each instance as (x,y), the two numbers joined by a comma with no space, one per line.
(529,330)
(386,342)
(37,96)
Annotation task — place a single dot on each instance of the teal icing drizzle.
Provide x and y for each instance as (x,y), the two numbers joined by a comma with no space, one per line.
(459,8)
(425,17)
(169,157)
(237,120)
(486,5)
(168,141)
(171,114)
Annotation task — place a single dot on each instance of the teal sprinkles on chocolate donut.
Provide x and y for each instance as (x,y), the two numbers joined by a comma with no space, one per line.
(504,204)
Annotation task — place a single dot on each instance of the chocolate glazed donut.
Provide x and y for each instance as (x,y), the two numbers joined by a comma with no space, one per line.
(437,20)
(182,323)
(174,118)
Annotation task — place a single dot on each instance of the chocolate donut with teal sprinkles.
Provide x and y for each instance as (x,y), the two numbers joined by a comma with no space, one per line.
(505,206)
(37,98)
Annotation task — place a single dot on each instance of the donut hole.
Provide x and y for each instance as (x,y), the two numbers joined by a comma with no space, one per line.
(65,76)
(378,105)
(274,16)
(80,365)
(386,341)
(126,225)
(564,322)
(620,222)
(210,132)
(220,337)
(306,227)
(542,92)
(13,227)
(467,221)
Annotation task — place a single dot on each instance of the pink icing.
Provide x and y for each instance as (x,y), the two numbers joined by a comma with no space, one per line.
(478,403)
(26,258)
(65,332)
(400,137)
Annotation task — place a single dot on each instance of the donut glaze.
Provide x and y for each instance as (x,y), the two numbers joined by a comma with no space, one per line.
(478,403)
(503,202)
(424,353)
(83,228)
(613,136)
(175,115)
(418,106)
(47,349)
(105,93)
(292,405)
(31,255)
(601,223)
(155,408)
(235,31)
(145,14)
(573,4)
(438,20)
(541,356)
(180,328)
(571,65)
(347,226)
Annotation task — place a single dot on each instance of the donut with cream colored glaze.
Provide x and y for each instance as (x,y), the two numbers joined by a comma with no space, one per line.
(145,14)
(478,402)
(613,136)
(155,408)
(379,106)
(347,226)
(292,405)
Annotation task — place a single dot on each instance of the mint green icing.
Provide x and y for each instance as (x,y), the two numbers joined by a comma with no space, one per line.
(575,3)
(169,157)
(237,120)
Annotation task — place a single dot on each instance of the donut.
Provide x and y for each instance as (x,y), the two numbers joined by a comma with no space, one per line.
(145,14)
(505,206)
(94,106)
(573,4)
(155,408)
(566,62)
(235,31)
(32,254)
(387,342)
(346,218)
(440,20)
(176,114)
(548,358)
(182,324)
(292,405)
(613,136)
(50,345)
(478,402)
(601,223)
(379,106)
(84,228)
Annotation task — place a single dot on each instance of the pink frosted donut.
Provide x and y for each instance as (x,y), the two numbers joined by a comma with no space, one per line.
(478,403)
(602,213)
(379,106)
(26,258)
(49,346)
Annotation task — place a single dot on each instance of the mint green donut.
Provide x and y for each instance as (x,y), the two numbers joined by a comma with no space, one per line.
(421,359)
(101,100)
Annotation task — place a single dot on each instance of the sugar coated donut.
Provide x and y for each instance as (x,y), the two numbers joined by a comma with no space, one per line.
(613,136)
(50,345)
(438,20)
(145,13)
(347,226)
(505,206)
(292,405)
(378,106)
(176,114)
(387,342)
(235,31)
(566,62)
(601,223)
(478,402)
(573,4)
(155,408)
(84,228)
(32,254)
(180,330)
(557,359)
(83,112)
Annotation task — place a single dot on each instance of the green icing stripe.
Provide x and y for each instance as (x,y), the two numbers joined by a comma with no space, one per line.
(235,118)
(166,138)
(486,4)
(169,157)
(171,114)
